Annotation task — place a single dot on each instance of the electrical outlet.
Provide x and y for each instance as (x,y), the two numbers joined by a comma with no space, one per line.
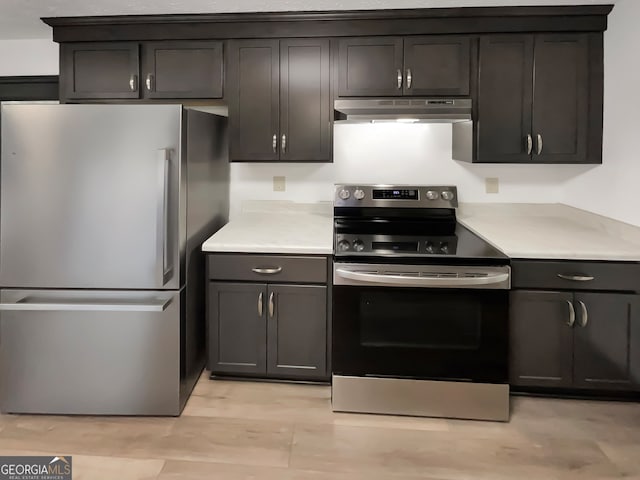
(279,184)
(492,185)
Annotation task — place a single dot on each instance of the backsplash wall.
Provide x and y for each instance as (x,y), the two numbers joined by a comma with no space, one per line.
(403,154)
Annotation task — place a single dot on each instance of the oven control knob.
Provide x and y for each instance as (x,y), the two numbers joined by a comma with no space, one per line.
(444,247)
(432,195)
(344,245)
(358,194)
(344,194)
(447,195)
(358,245)
(430,248)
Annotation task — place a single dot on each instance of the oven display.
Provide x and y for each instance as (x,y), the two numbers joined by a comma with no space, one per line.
(394,246)
(395,194)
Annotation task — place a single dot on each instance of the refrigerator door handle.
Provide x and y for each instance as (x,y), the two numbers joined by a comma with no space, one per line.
(41,305)
(164,254)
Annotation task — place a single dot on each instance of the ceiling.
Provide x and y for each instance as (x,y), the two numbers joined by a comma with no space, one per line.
(21,18)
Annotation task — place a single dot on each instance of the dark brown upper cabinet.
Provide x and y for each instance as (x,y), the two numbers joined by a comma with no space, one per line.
(536,95)
(116,70)
(99,70)
(434,65)
(182,69)
(279,100)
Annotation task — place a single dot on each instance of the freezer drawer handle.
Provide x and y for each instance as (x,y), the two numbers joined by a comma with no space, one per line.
(267,271)
(25,304)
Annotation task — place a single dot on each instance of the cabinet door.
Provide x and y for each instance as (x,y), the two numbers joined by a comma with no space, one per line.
(182,69)
(561,98)
(305,101)
(505,98)
(253,98)
(99,70)
(370,67)
(603,347)
(297,335)
(437,65)
(541,339)
(237,328)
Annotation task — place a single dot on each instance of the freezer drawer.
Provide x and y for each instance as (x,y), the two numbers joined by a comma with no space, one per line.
(90,353)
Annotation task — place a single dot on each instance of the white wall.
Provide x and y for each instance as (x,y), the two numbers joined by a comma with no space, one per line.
(613,189)
(402,154)
(28,57)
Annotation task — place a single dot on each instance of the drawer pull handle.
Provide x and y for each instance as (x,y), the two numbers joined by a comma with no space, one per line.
(267,271)
(585,314)
(572,314)
(576,278)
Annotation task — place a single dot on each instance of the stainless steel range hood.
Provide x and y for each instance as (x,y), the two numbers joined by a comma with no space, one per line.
(455,111)
(408,110)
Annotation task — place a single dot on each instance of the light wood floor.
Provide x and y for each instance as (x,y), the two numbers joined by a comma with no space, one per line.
(242,431)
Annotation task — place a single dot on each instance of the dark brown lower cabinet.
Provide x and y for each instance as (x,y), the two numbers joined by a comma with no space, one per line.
(605,336)
(262,330)
(541,341)
(237,328)
(296,331)
(585,340)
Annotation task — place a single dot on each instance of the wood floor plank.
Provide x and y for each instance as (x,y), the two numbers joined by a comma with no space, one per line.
(87,467)
(118,436)
(450,455)
(289,402)
(174,470)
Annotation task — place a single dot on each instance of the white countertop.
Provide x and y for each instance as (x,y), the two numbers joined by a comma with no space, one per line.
(527,231)
(277,227)
(551,231)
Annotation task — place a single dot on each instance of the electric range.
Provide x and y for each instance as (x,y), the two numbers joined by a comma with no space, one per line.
(420,307)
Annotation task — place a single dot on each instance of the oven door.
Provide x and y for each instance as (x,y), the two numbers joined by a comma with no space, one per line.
(423,322)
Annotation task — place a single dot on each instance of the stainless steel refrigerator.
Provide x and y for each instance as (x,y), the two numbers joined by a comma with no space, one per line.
(103,209)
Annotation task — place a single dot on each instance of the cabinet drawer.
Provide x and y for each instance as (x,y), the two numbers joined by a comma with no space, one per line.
(268,268)
(578,275)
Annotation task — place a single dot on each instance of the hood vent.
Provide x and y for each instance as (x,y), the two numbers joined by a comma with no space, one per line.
(403,110)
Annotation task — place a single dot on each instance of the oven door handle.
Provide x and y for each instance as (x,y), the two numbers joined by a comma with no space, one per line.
(413,281)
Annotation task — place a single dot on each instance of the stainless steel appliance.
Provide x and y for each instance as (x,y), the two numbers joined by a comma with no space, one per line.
(420,307)
(103,209)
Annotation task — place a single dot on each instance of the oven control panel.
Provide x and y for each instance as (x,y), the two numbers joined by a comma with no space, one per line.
(403,196)
(393,245)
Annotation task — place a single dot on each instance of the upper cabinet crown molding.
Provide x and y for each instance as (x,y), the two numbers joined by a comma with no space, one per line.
(585,18)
